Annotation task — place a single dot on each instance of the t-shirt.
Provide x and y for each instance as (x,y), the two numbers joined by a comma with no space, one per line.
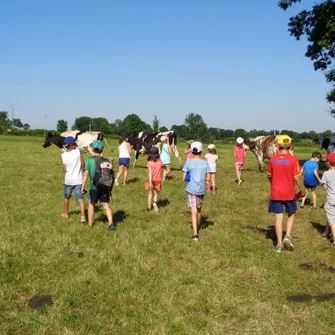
(198,168)
(283,168)
(309,178)
(328,178)
(123,151)
(331,148)
(156,170)
(165,154)
(239,154)
(211,159)
(74,174)
(90,166)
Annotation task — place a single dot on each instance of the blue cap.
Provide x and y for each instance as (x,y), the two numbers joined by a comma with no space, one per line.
(98,145)
(69,141)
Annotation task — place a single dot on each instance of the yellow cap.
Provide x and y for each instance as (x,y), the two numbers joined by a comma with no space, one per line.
(284,140)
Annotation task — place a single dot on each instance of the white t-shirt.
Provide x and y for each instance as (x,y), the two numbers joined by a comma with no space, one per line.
(74,174)
(328,178)
(211,159)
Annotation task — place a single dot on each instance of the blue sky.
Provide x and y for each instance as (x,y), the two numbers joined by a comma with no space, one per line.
(233,62)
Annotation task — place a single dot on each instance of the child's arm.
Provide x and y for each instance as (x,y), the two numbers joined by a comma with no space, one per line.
(64,167)
(128,147)
(316,174)
(184,176)
(208,177)
(324,186)
(82,162)
(85,177)
(150,176)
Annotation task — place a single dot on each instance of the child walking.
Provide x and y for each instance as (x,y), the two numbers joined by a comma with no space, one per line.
(96,195)
(165,155)
(188,151)
(239,154)
(199,174)
(211,157)
(73,165)
(124,158)
(328,180)
(283,173)
(311,177)
(154,181)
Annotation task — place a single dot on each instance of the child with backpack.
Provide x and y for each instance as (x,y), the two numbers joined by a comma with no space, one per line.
(73,164)
(154,181)
(101,173)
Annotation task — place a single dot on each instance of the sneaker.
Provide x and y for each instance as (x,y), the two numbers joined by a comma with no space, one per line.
(288,242)
(313,206)
(116,182)
(83,220)
(148,210)
(279,248)
(195,237)
(112,226)
(302,205)
(155,207)
(239,182)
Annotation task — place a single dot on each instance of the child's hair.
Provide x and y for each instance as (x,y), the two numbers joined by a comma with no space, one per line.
(153,154)
(189,144)
(212,151)
(284,146)
(123,137)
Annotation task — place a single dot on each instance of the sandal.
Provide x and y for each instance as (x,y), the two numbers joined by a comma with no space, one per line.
(83,219)
(64,216)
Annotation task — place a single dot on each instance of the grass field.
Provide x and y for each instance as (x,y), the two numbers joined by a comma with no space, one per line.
(149,277)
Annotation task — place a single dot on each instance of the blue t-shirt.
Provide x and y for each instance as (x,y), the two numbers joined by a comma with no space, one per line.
(309,178)
(198,170)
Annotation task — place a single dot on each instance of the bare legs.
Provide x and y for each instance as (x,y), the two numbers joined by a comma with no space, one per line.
(196,219)
(122,170)
(107,209)
(279,227)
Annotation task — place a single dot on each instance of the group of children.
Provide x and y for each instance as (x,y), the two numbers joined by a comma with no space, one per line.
(284,173)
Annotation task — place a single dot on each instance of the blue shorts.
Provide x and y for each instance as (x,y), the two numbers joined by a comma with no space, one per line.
(68,191)
(277,207)
(312,188)
(124,161)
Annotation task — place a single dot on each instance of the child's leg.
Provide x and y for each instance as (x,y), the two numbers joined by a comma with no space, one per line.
(168,169)
(108,211)
(90,213)
(155,195)
(333,230)
(194,212)
(82,208)
(314,198)
(213,183)
(149,199)
(125,175)
(304,198)
(327,230)
(119,174)
(238,174)
(289,225)
(198,218)
(66,208)
(279,228)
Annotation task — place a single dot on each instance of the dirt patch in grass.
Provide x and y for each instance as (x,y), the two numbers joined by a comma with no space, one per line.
(39,301)
(308,297)
(309,267)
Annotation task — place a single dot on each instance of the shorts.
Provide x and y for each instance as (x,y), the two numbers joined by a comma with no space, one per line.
(166,164)
(157,186)
(194,200)
(212,173)
(68,191)
(124,161)
(239,166)
(330,212)
(277,206)
(94,196)
(311,188)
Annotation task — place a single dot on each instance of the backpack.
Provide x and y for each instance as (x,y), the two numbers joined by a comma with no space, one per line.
(104,175)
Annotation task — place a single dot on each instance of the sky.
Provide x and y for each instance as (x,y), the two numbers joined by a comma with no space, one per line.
(233,62)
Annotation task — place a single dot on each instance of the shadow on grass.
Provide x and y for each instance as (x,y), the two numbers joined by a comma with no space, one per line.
(205,223)
(308,297)
(119,216)
(133,180)
(319,227)
(270,232)
(163,202)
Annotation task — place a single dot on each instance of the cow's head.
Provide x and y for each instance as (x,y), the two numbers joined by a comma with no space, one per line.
(53,139)
(48,141)
(324,143)
(249,144)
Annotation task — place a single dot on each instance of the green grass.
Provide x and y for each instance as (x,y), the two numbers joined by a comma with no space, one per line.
(149,277)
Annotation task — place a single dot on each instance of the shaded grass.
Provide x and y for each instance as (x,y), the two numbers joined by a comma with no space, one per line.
(148,277)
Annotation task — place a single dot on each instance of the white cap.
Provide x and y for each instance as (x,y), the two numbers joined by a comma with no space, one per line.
(211,146)
(196,147)
(239,140)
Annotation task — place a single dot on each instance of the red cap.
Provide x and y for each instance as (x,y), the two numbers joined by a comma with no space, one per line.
(331,158)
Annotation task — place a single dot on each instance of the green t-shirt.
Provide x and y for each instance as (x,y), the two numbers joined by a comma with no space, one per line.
(90,166)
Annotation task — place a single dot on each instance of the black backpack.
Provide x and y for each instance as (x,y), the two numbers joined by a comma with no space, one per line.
(104,175)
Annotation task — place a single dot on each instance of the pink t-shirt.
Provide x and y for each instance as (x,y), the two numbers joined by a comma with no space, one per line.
(190,155)
(211,159)
(239,154)
(156,170)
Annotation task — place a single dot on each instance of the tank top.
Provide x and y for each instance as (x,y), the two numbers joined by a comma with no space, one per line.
(124,153)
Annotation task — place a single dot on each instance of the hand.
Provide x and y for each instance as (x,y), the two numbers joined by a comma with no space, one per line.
(303,192)
(320,183)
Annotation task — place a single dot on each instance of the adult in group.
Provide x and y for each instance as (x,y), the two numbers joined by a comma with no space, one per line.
(124,158)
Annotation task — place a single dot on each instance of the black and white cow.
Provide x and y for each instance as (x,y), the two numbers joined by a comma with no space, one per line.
(146,140)
(84,139)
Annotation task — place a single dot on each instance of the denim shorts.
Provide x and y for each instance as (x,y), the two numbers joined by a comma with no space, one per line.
(68,191)
(277,206)
(124,161)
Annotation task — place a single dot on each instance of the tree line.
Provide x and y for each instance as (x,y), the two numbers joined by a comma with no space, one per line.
(10,124)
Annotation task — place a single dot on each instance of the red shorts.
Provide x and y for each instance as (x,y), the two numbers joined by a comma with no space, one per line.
(156,185)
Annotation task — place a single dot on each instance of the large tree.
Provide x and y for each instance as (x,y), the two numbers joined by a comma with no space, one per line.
(155,124)
(82,123)
(101,124)
(197,127)
(318,25)
(61,126)
(3,121)
(132,124)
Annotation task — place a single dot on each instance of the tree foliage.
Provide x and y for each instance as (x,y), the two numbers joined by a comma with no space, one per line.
(155,124)
(100,124)
(61,126)
(318,25)
(196,126)
(133,124)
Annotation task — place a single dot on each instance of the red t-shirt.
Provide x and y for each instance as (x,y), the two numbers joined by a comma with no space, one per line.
(156,170)
(283,168)
(239,154)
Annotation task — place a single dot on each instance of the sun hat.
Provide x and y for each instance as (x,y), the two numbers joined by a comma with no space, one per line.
(98,145)
(317,154)
(69,141)
(196,147)
(331,158)
(163,138)
(239,140)
(211,146)
(284,140)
